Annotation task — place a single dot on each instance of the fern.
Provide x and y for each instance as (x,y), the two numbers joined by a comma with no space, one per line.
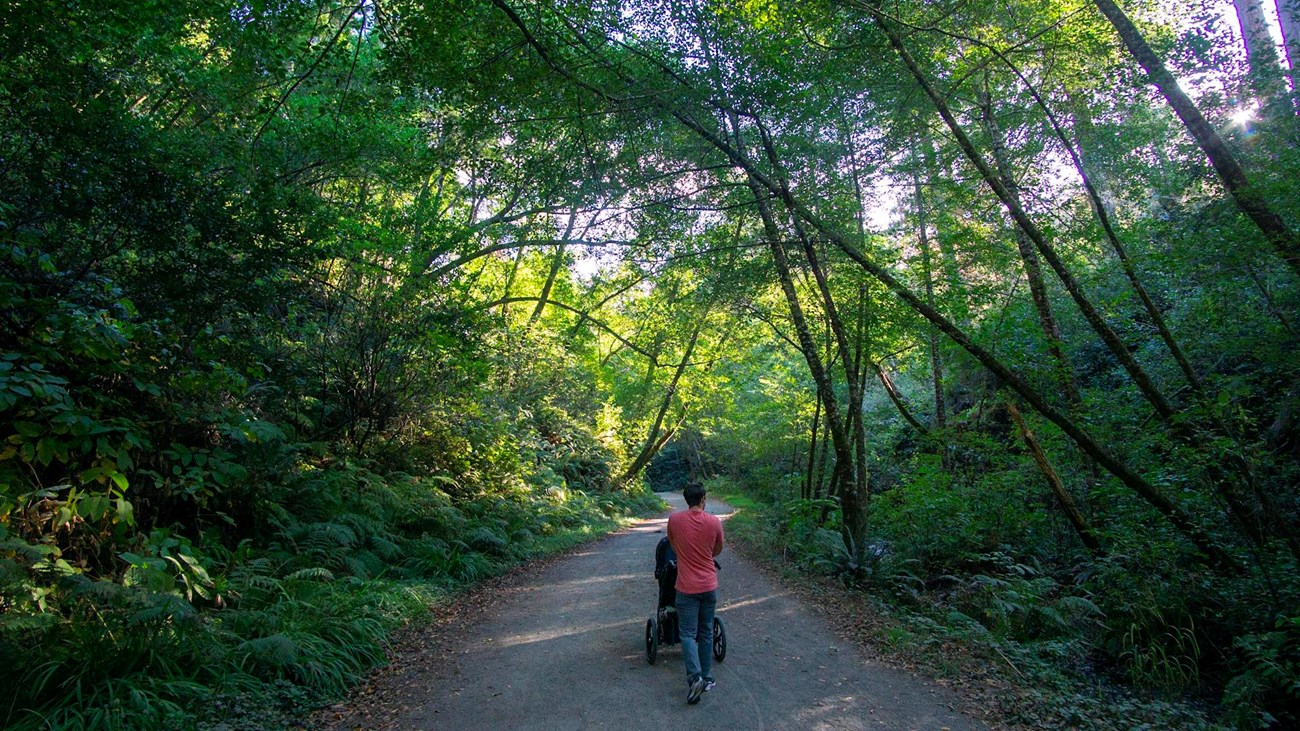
(299,620)
(486,540)
(311,574)
(273,651)
(386,549)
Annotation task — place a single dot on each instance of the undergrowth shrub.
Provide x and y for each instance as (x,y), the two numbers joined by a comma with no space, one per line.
(1267,691)
(285,624)
(949,581)
(1014,600)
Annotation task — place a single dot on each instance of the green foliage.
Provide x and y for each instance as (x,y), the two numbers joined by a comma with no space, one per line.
(1268,691)
(238,448)
(183,632)
(169,566)
(289,346)
(1013,600)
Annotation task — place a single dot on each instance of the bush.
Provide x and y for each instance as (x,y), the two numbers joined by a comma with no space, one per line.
(1266,692)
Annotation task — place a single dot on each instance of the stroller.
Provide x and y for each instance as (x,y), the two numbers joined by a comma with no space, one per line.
(662,629)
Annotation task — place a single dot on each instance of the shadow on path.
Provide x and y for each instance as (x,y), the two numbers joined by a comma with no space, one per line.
(563,648)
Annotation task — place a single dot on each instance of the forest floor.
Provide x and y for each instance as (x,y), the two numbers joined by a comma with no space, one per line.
(559,644)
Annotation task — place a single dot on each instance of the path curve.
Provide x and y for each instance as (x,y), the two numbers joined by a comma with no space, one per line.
(563,648)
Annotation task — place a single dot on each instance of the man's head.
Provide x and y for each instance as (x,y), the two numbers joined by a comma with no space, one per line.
(694,494)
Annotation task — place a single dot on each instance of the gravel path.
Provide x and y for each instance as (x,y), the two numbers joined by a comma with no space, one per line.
(563,648)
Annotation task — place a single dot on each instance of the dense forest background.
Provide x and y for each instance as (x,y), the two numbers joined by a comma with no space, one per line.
(313,314)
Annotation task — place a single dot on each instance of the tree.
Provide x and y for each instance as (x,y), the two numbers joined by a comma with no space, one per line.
(1282,237)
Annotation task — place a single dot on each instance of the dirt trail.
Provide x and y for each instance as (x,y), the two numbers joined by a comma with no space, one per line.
(563,648)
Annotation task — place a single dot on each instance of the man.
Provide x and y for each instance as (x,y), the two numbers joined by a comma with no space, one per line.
(696,537)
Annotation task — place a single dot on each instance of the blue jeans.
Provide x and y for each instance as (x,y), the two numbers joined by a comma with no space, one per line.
(695,621)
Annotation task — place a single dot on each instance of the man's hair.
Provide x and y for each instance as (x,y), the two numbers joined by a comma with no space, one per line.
(694,493)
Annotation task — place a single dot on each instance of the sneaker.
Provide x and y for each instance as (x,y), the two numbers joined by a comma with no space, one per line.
(709,684)
(696,690)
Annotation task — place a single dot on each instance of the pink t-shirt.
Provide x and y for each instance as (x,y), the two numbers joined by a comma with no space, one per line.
(694,534)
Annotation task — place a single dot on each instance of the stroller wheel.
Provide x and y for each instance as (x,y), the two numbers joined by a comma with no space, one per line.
(651,640)
(719,639)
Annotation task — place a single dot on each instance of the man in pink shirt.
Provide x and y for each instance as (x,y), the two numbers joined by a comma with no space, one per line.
(696,537)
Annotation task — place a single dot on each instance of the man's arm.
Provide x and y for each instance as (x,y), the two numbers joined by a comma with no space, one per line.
(717,542)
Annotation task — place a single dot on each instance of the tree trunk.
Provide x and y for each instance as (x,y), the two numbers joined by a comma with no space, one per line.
(1250,518)
(857,465)
(557,262)
(852,499)
(1261,55)
(510,283)
(897,398)
(1273,307)
(1284,240)
(1112,340)
(860,356)
(819,483)
(1210,548)
(949,262)
(1103,207)
(1131,479)
(849,490)
(936,358)
(1102,204)
(834,323)
(1288,15)
(653,442)
(1063,497)
(812,448)
(1033,270)
(759,181)
(841,476)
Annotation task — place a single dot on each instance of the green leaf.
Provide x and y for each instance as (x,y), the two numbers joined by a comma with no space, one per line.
(125,512)
(93,507)
(45,451)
